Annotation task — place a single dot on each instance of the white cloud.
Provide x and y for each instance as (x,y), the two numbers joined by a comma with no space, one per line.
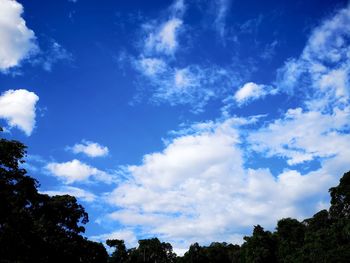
(297,136)
(177,9)
(322,70)
(91,149)
(252,91)
(161,36)
(54,54)
(17,107)
(164,39)
(185,78)
(193,85)
(168,82)
(202,185)
(17,42)
(198,188)
(76,171)
(222,6)
(74,191)
(151,66)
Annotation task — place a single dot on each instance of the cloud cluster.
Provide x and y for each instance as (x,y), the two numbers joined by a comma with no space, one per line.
(91,149)
(168,81)
(202,185)
(193,85)
(297,136)
(17,107)
(198,188)
(324,65)
(17,41)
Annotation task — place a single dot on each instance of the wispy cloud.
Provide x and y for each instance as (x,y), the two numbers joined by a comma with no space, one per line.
(251,26)
(163,40)
(193,85)
(322,70)
(222,7)
(54,54)
(73,191)
(161,36)
(167,80)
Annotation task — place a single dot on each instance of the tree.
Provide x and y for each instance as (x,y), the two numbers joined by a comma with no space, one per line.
(340,198)
(152,251)
(260,247)
(120,254)
(195,254)
(290,239)
(35,227)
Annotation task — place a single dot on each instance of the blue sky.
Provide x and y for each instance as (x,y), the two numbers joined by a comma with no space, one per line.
(189,120)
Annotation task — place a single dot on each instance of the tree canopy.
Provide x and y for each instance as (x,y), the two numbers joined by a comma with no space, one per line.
(35,227)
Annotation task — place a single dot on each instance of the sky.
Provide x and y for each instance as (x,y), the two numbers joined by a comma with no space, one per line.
(186,120)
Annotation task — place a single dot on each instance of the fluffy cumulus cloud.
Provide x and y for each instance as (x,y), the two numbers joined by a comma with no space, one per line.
(77,171)
(91,149)
(198,188)
(17,41)
(74,191)
(252,91)
(17,107)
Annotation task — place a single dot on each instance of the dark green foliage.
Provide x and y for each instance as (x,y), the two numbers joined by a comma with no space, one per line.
(120,254)
(340,198)
(152,250)
(290,239)
(148,251)
(35,227)
(215,253)
(260,247)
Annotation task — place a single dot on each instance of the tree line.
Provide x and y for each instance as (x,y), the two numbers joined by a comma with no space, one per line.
(35,227)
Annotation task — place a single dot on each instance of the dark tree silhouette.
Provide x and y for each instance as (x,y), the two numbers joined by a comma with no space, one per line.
(260,247)
(35,227)
(120,254)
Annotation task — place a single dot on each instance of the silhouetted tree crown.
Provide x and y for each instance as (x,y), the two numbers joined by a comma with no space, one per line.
(35,227)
